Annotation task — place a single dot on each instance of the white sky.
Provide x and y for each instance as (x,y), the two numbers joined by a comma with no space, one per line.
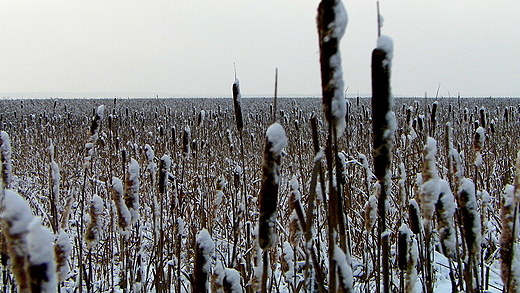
(187,47)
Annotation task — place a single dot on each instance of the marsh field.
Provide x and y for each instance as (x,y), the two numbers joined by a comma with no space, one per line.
(162,195)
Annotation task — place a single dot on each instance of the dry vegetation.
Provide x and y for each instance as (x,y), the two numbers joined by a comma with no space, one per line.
(198,171)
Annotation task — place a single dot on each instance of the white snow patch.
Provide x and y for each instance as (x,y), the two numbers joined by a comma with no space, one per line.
(276,136)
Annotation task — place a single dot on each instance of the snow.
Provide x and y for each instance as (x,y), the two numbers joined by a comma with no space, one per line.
(233,278)
(41,251)
(63,244)
(6,158)
(206,245)
(344,267)
(16,213)
(167,161)
(132,189)
(339,25)
(288,256)
(276,136)
(100,111)
(386,44)
(295,186)
(446,222)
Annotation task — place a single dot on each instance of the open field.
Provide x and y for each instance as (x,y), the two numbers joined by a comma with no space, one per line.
(141,232)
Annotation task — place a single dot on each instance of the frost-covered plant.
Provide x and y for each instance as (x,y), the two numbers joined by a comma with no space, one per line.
(124,218)
(16,217)
(509,259)
(5,156)
(95,226)
(237,103)
(268,198)
(131,191)
(204,249)
(62,251)
(41,265)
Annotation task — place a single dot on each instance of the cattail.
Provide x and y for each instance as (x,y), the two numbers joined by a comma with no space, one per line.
(470,216)
(237,103)
(5,146)
(152,167)
(268,198)
(204,248)
(186,139)
(344,264)
(124,218)
(62,251)
(94,227)
(41,265)
(332,22)
(407,254)
(164,168)
(295,231)
(16,217)
(509,266)
(445,208)
(94,135)
(478,144)
(414,215)
(225,280)
(482,117)
(433,119)
(288,263)
(429,190)
(132,190)
(371,211)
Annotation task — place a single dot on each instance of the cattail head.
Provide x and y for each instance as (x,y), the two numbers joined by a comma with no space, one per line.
(445,208)
(164,168)
(186,140)
(371,211)
(94,228)
(414,216)
(268,199)
(62,251)
(132,189)
(332,22)
(5,156)
(204,248)
(237,103)
(470,216)
(124,218)
(42,266)
(482,117)
(16,217)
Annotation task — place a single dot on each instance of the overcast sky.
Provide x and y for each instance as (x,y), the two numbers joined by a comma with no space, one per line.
(188,47)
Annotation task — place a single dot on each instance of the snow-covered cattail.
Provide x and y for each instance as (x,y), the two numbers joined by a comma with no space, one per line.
(124,219)
(204,248)
(295,231)
(433,118)
(268,199)
(95,225)
(16,217)
(407,257)
(478,145)
(344,264)
(94,135)
(470,216)
(164,168)
(62,251)
(371,212)
(5,156)
(41,265)
(237,103)
(226,280)
(132,189)
(414,216)
(482,117)
(429,190)
(332,22)
(152,167)
(445,207)
(509,266)
(186,140)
